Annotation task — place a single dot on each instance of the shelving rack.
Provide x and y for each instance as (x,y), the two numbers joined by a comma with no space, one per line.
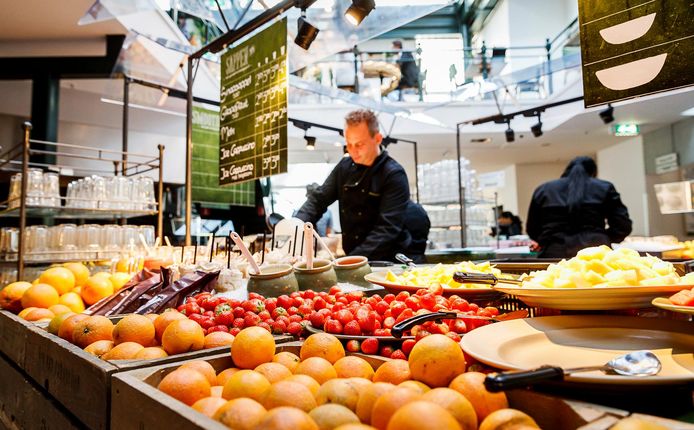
(17,160)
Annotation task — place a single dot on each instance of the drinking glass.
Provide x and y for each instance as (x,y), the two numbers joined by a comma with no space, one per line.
(51,190)
(15,191)
(34,187)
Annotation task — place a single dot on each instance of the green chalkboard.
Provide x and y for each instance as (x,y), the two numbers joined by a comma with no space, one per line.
(205,168)
(253,111)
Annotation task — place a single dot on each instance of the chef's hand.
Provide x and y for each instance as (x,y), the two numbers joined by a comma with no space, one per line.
(534,246)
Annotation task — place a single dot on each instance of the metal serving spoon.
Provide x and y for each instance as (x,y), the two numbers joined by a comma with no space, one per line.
(637,363)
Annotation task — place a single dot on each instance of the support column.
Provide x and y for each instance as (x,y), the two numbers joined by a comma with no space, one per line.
(45,100)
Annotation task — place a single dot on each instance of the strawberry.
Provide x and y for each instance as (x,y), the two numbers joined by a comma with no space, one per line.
(407,346)
(369,345)
(352,328)
(332,326)
(386,351)
(294,328)
(353,346)
(398,354)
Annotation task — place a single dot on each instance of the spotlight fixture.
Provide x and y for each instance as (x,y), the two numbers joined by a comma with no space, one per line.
(359,10)
(607,115)
(510,135)
(306,33)
(310,142)
(537,128)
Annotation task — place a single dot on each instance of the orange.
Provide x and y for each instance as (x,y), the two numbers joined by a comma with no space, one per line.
(352,366)
(456,404)
(119,279)
(39,314)
(123,351)
(59,309)
(25,311)
(40,296)
(134,328)
(253,346)
(218,339)
(204,368)
(287,359)
(240,414)
(216,391)
(224,375)
(388,403)
(415,385)
(436,360)
(308,382)
(274,372)
(186,385)
(330,416)
(151,353)
(506,419)
(11,296)
(99,348)
(152,317)
(92,329)
(166,318)
(73,301)
(78,291)
(420,414)
(182,336)
(95,289)
(285,393)
(354,426)
(630,423)
(340,391)
(57,321)
(317,368)
(209,405)
(322,345)
(471,385)
(68,326)
(59,278)
(246,383)
(368,398)
(287,418)
(360,384)
(394,371)
(80,271)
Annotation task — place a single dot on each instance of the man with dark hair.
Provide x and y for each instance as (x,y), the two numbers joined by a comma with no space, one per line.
(509,225)
(408,68)
(372,191)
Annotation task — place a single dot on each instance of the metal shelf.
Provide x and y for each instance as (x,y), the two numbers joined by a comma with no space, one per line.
(71,213)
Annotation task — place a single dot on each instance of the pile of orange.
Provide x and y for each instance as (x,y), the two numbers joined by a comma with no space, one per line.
(136,337)
(322,388)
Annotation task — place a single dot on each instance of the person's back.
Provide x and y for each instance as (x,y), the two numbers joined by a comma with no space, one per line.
(563,226)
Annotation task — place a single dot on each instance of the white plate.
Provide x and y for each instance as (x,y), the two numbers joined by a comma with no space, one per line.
(484,292)
(664,303)
(576,341)
(586,299)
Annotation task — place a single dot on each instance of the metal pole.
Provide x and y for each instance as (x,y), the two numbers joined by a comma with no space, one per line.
(356,69)
(548,47)
(416,173)
(22,201)
(160,196)
(484,60)
(126,103)
(189,150)
(460,187)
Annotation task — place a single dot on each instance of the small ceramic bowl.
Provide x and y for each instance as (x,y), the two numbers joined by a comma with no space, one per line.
(351,269)
(321,278)
(273,281)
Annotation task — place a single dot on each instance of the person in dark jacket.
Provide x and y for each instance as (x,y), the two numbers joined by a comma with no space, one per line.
(570,213)
(509,225)
(372,191)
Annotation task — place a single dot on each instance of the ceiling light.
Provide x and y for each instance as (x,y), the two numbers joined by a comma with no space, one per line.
(537,128)
(359,10)
(607,115)
(510,135)
(306,33)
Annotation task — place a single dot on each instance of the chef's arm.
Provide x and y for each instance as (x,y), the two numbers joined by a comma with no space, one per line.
(317,202)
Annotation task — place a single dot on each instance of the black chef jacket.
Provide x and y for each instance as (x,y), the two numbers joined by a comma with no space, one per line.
(372,206)
(561,234)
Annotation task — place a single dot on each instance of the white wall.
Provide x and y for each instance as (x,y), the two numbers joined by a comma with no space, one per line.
(623,165)
(508,196)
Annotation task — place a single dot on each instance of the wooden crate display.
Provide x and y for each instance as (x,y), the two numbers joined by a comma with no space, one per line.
(24,405)
(78,380)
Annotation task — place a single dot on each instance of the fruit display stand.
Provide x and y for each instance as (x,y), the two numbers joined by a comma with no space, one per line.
(78,380)
(137,402)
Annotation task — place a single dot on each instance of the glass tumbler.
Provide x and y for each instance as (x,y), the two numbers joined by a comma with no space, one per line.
(34,187)
(15,191)
(51,190)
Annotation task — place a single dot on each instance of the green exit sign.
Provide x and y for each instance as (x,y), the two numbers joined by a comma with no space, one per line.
(626,130)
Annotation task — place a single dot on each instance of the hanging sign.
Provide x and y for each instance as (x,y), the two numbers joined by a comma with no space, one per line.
(253,109)
(634,48)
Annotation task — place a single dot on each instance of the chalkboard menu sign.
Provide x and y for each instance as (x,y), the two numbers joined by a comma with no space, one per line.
(206,189)
(253,110)
(631,48)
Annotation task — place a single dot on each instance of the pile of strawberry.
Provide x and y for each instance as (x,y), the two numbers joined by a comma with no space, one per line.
(338,313)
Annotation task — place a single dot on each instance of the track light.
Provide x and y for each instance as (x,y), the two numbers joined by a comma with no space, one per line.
(510,135)
(306,33)
(537,128)
(607,115)
(310,142)
(359,10)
